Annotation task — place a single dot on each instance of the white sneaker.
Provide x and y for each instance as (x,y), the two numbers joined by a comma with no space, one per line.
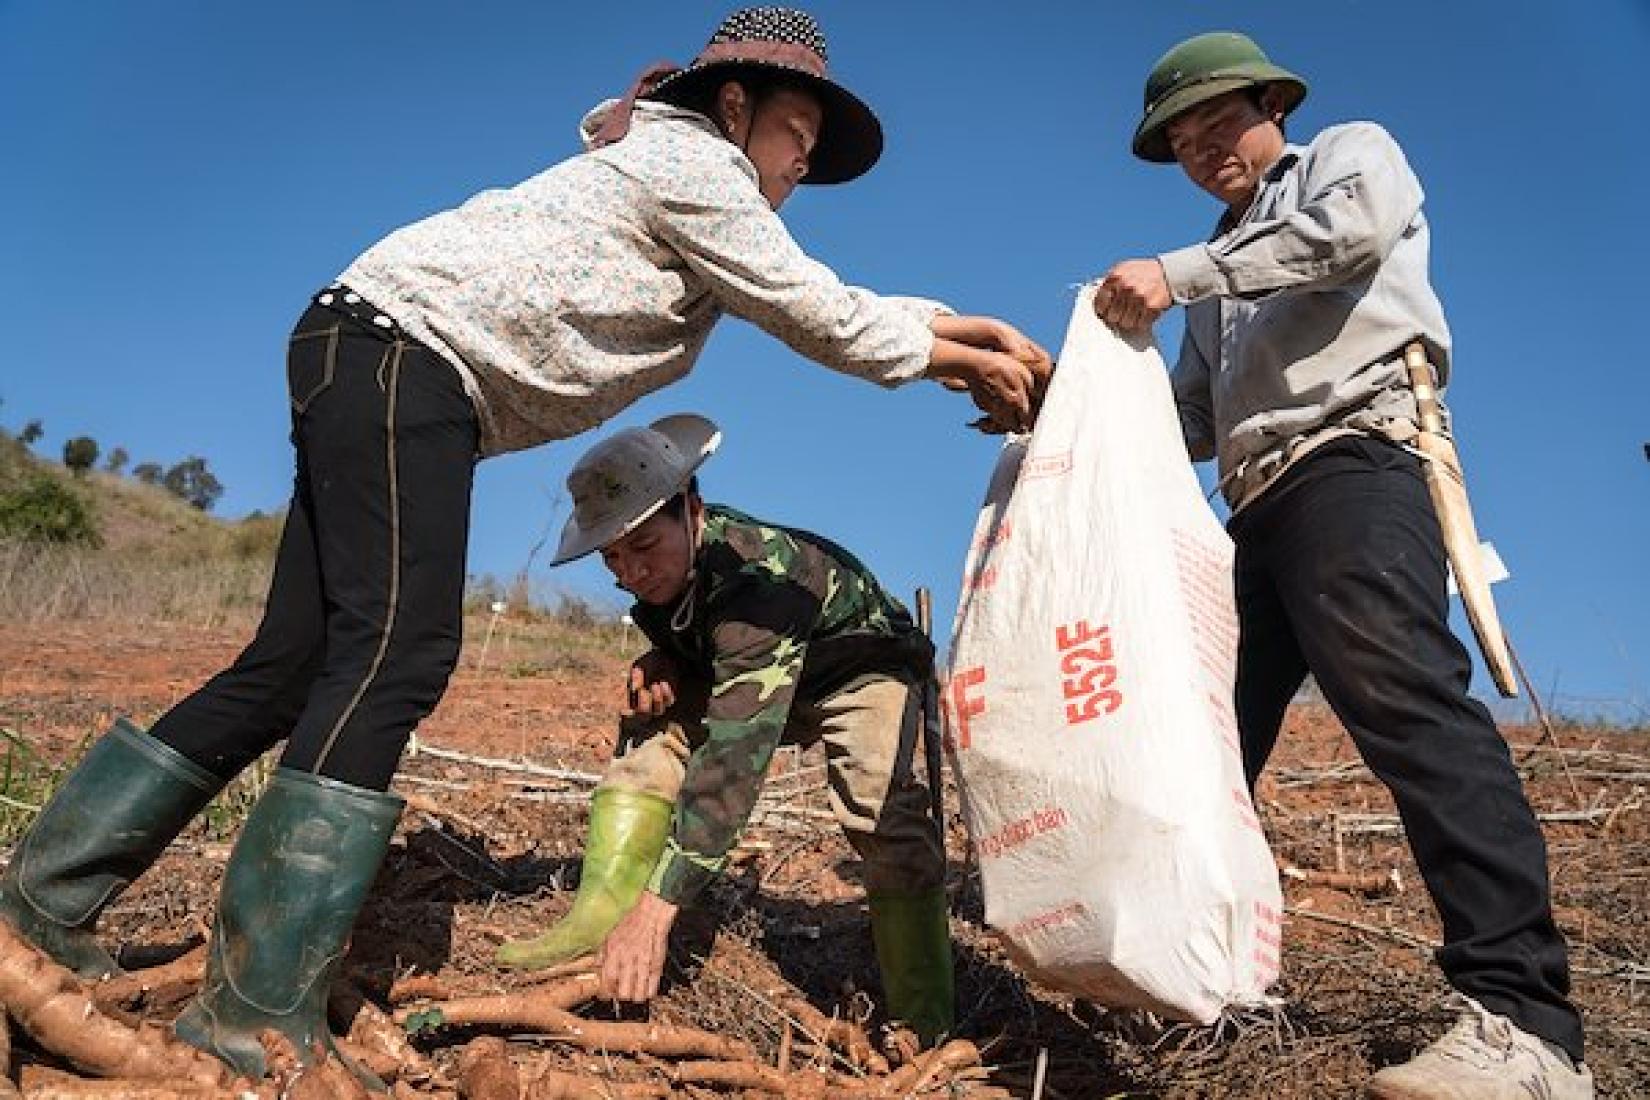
(1484,1057)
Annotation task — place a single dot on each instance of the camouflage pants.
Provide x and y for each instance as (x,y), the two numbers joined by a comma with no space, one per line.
(870,730)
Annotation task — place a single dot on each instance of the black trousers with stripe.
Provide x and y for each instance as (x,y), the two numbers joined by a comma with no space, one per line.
(1341,571)
(363,621)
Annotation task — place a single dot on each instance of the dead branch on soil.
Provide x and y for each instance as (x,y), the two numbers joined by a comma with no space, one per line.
(1390,825)
(485,1071)
(166,983)
(829,1032)
(419,987)
(833,1037)
(1623,970)
(589,779)
(1630,760)
(1398,935)
(1618,969)
(47,1001)
(584,964)
(430,808)
(1347,771)
(1372,883)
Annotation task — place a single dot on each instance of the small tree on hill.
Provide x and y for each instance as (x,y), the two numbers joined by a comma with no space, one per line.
(44,509)
(190,480)
(148,472)
(80,454)
(31,433)
(117,460)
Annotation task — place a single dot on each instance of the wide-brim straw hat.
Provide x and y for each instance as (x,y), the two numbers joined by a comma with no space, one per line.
(619,483)
(788,42)
(1198,70)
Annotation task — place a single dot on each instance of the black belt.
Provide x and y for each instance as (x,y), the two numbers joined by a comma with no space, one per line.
(341,299)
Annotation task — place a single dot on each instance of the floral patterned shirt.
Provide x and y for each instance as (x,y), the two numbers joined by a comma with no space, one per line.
(565,298)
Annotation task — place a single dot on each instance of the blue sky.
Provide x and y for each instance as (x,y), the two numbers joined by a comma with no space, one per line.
(180,174)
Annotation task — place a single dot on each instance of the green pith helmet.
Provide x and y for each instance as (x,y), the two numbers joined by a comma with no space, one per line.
(1198,70)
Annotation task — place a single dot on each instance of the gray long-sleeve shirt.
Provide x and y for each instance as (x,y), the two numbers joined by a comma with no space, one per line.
(1298,311)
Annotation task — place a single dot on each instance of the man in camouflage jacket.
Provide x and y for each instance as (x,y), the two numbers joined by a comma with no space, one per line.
(761,635)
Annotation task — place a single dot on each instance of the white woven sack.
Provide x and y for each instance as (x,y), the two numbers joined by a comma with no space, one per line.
(1088,704)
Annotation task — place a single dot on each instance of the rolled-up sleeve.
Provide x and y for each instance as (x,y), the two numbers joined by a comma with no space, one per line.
(727,235)
(1360,196)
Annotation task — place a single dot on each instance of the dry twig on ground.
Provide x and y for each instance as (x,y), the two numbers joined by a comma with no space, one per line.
(167,983)
(1358,882)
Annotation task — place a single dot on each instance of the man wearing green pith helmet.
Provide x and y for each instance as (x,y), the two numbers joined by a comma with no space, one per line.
(761,634)
(1299,308)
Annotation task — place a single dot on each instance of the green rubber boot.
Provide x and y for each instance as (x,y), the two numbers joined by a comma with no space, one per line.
(913,940)
(108,821)
(304,862)
(628,830)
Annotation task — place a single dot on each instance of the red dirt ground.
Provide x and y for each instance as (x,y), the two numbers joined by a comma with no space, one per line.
(488,853)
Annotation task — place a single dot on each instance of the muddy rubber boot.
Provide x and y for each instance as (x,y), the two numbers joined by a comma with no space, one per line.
(913,941)
(108,821)
(628,830)
(296,880)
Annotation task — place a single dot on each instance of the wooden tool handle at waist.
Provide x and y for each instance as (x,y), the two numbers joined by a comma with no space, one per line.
(1425,387)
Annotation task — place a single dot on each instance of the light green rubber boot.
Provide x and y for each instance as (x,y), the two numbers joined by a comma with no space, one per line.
(913,940)
(295,883)
(628,830)
(108,821)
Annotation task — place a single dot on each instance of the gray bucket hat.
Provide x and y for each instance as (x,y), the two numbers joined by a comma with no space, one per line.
(621,481)
(1196,71)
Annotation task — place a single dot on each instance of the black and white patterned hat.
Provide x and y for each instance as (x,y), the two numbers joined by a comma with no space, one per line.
(789,41)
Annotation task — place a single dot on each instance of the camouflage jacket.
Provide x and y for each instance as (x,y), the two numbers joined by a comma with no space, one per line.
(779,616)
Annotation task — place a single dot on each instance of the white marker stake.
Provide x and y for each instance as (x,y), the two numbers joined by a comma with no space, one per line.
(498,608)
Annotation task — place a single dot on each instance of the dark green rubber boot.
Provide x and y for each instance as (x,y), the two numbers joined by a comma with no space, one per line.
(628,830)
(913,940)
(108,821)
(304,862)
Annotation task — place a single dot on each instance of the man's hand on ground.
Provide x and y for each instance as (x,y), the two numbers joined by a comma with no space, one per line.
(632,959)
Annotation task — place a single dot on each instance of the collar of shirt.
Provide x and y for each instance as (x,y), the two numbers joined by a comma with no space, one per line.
(1273,175)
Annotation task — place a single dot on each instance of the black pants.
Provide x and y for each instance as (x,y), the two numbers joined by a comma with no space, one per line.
(363,621)
(1341,571)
